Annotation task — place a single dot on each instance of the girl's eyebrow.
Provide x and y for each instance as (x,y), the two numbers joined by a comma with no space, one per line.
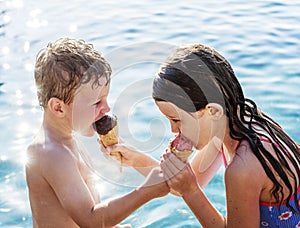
(191,114)
(171,117)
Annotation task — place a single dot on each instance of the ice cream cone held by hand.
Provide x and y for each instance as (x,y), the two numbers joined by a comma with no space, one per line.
(181,147)
(108,132)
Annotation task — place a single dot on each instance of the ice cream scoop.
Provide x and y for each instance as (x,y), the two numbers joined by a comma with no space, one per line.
(181,147)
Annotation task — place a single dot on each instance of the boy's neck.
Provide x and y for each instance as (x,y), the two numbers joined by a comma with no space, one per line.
(58,128)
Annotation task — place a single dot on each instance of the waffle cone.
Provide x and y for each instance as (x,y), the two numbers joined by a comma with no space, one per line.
(111,138)
(182,155)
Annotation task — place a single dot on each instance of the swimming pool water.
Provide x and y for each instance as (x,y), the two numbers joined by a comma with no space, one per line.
(261,39)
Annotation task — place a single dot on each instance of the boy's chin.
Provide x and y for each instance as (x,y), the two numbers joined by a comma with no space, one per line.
(91,134)
(87,132)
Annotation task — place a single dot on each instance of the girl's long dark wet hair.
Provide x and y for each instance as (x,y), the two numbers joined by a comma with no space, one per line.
(195,75)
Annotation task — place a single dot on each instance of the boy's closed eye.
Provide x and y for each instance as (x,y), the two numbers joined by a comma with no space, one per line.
(97,103)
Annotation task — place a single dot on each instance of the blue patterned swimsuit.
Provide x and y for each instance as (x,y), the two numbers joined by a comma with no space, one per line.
(275,215)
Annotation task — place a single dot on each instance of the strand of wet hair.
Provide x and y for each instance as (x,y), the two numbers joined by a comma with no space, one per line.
(248,108)
(257,147)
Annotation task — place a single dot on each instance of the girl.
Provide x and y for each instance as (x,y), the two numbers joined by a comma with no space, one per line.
(261,160)
(196,89)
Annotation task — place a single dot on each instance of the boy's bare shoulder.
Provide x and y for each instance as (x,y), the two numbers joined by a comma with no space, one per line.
(48,153)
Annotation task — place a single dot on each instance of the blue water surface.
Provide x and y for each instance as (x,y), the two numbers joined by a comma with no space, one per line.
(261,39)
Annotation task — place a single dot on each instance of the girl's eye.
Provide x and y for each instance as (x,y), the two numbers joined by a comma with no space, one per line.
(175,120)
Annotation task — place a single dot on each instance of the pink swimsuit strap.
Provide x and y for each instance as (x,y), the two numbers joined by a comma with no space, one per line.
(223,154)
(223,157)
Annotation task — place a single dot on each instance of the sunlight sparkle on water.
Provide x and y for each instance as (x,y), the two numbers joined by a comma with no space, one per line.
(22,129)
(73,28)
(34,103)
(29,67)
(20,112)
(6,19)
(19,102)
(5,210)
(34,110)
(33,88)
(23,159)
(34,21)
(26,46)
(3,158)
(6,66)
(15,3)
(19,93)
(5,50)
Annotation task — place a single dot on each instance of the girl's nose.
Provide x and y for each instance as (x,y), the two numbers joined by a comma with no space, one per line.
(175,127)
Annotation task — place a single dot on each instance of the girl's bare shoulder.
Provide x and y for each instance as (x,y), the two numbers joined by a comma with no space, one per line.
(245,165)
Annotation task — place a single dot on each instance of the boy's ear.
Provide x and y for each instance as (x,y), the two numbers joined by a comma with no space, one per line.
(215,110)
(56,106)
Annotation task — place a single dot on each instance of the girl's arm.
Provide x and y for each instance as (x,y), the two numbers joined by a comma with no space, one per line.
(206,164)
(181,178)
(243,180)
(142,162)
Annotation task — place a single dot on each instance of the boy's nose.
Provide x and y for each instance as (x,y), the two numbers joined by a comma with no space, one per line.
(105,108)
(102,110)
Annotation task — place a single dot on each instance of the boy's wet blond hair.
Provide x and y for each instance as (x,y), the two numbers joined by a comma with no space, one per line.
(64,65)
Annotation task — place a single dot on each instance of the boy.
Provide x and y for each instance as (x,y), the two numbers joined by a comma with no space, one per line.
(73,82)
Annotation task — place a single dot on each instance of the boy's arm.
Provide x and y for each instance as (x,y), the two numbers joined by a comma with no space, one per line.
(118,209)
(61,171)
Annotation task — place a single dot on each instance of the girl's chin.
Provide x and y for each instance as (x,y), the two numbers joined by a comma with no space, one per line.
(199,146)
